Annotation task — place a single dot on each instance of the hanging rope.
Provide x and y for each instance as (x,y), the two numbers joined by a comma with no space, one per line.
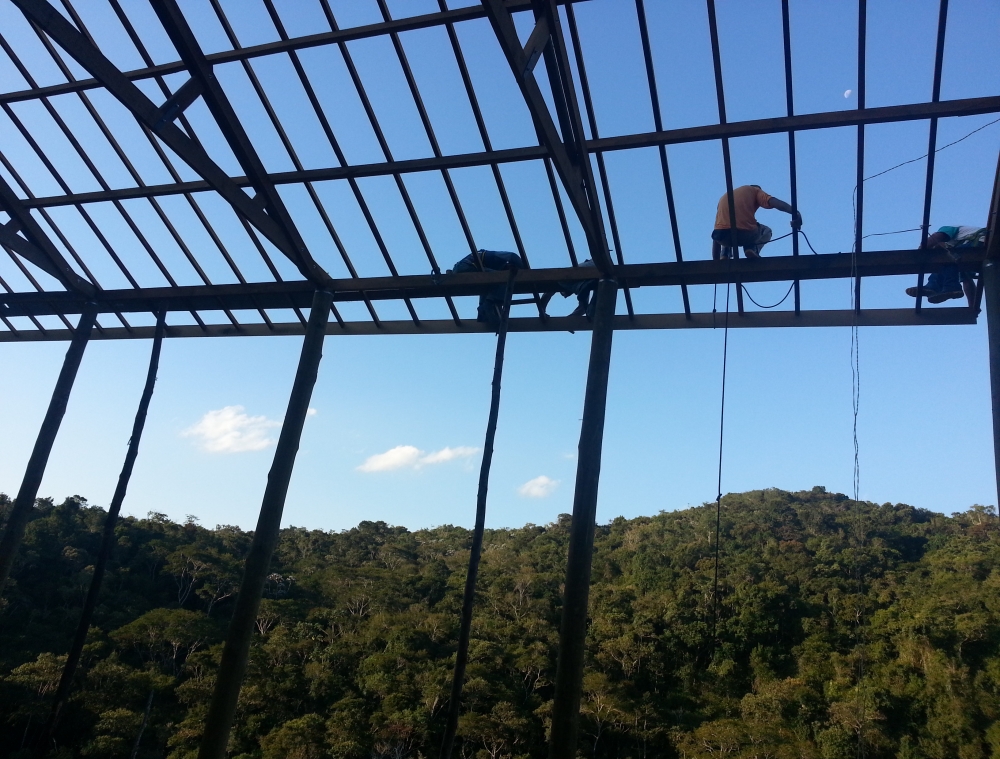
(718,488)
(469,597)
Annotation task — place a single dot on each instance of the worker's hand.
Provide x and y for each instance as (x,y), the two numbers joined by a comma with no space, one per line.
(797,222)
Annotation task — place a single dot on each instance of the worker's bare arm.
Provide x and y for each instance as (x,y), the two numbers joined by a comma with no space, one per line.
(781,205)
(716,250)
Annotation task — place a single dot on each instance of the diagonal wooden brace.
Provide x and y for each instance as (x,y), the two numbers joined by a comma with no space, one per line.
(536,44)
(573,168)
(36,246)
(203,74)
(178,102)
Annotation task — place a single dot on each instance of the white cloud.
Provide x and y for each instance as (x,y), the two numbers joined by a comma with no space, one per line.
(311,411)
(448,454)
(540,487)
(847,93)
(232,430)
(411,457)
(395,458)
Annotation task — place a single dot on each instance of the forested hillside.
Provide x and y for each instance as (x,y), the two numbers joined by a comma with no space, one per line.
(355,638)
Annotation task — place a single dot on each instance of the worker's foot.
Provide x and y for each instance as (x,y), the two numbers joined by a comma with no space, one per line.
(944,295)
(751,252)
(928,293)
(580,310)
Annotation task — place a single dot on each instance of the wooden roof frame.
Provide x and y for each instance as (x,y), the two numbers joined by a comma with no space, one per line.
(564,146)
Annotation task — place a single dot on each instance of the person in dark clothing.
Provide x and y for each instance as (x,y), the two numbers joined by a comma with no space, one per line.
(582,289)
(948,283)
(491,301)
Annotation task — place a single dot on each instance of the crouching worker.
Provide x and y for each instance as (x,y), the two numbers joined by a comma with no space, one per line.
(750,234)
(948,283)
(490,302)
(582,289)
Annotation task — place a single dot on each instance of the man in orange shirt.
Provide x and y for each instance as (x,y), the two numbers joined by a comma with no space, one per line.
(749,233)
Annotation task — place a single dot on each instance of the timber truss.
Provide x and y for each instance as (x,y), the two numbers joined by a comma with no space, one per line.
(203,287)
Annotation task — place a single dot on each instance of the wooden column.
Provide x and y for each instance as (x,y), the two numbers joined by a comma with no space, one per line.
(237,648)
(107,544)
(989,281)
(25,501)
(991,291)
(475,552)
(573,630)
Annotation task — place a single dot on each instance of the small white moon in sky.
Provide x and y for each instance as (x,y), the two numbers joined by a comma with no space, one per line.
(847,93)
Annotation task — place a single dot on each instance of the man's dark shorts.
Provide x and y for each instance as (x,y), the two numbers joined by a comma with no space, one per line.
(745,238)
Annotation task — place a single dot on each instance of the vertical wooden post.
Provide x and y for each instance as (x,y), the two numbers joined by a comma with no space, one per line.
(989,281)
(573,629)
(469,597)
(237,648)
(991,290)
(107,544)
(25,501)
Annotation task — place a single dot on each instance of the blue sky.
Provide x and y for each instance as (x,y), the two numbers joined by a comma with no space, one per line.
(924,426)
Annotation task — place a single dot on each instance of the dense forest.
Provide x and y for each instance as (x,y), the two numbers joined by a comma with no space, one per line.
(837,623)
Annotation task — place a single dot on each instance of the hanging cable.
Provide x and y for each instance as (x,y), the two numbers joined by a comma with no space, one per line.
(883,234)
(784,298)
(469,596)
(718,488)
(856,484)
(775,239)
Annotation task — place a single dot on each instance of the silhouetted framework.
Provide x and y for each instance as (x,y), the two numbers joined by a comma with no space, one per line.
(145,283)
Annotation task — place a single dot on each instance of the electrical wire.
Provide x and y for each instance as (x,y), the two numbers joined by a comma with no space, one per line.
(718,490)
(897,232)
(938,150)
(854,195)
(854,202)
(790,287)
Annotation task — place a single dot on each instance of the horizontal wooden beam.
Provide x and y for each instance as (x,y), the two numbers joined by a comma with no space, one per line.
(278,295)
(884,317)
(511,155)
(889,114)
(827,120)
